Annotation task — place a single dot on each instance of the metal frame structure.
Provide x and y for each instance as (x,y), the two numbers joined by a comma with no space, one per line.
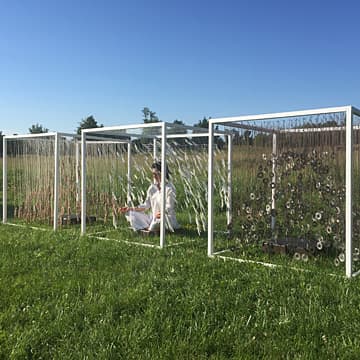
(106,130)
(163,126)
(349,111)
(57,136)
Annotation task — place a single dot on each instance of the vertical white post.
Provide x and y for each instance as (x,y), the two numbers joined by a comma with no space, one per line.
(273,190)
(229,183)
(129,174)
(77,172)
(211,190)
(348,196)
(83,183)
(154,149)
(163,177)
(4,219)
(56,180)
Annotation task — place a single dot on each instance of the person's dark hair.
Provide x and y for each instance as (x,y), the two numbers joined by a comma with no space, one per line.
(157,166)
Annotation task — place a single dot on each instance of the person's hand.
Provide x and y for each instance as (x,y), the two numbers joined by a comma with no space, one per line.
(158,215)
(123,209)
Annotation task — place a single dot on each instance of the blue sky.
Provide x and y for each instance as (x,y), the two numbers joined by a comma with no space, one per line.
(61,61)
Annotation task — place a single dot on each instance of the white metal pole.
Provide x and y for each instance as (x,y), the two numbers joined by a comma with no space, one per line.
(83,183)
(163,192)
(154,149)
(77,172)
(56,180)
(229,182)
(348,196)
(4,220)
(211,190)
(129,175)
(273,190)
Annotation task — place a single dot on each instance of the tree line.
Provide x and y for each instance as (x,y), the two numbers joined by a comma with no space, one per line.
(247,137)
(148,116)
(89,122)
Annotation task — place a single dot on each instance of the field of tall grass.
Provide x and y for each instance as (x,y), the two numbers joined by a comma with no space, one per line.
(309,189)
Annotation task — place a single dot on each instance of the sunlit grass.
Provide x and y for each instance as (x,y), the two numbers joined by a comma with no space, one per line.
(65,296)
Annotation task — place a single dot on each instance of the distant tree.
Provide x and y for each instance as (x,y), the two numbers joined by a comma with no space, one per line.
(149,116)
(180,127)
(179,122)
(88,123)
(146,113)
(38,129)
(153,117)
(204,123)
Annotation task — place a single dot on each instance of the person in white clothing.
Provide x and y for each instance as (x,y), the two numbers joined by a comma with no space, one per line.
(138,217)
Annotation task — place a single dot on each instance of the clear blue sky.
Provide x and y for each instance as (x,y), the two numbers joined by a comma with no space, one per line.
(61,61)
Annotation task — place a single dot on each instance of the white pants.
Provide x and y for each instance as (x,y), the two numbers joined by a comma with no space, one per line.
(139,220)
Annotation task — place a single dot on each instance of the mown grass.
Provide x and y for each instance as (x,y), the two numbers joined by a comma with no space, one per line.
(63,296)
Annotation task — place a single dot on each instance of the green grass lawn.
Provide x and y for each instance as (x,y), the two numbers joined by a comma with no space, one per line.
(63,296)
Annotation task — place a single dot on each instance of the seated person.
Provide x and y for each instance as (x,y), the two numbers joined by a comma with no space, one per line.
(139,220)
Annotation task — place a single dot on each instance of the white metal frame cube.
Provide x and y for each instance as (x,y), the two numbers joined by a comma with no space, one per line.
(349,111)
(167,131)
(57,137)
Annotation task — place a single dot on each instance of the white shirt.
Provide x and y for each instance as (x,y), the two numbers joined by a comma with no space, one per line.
(153,202)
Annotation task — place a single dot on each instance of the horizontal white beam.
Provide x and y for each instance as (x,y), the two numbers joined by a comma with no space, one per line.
(107,142)
(125,241)
(324,129)
(75,136)
(116,136)
(41,135)
(251,127)
(181,136)
(107,139)
(188,127)
(29,136)
(279,115)
(122,127)
(150,125)
(312,130)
